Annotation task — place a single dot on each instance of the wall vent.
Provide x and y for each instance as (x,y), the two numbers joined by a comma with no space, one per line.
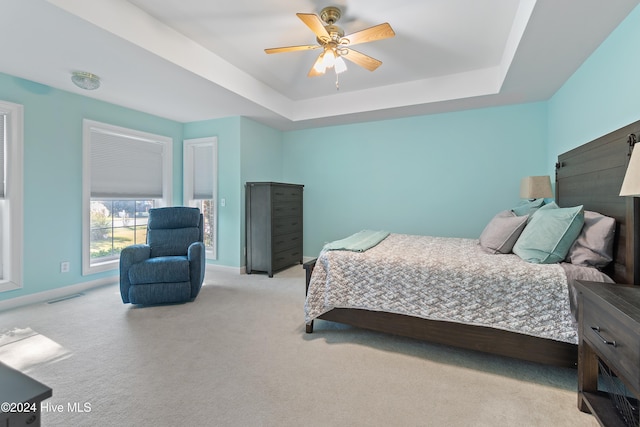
(53,301)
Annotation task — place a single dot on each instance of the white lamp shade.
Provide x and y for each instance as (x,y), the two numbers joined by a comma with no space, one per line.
(631,183)
(536,187)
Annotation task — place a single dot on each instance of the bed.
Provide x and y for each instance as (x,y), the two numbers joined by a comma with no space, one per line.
(589,176)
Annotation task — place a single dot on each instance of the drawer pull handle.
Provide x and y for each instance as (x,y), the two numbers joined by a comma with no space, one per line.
(596,330)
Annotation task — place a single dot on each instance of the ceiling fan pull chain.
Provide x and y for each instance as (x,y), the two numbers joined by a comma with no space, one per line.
(337,82)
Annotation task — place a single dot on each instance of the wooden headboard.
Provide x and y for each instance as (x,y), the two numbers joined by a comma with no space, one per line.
(591,175)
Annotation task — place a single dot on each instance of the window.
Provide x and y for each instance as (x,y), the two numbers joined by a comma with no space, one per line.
(200,185)
(116,224)
(11,144)
(126,172)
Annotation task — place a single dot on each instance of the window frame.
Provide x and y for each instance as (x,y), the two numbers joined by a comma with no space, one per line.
(12,216)
(188,183)
(167,180)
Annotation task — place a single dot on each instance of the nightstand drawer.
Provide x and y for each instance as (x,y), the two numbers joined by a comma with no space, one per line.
(614,336)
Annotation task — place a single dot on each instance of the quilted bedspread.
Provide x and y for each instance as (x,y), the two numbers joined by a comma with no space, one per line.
(443,278)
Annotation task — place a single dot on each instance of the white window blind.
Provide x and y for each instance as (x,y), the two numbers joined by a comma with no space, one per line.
(3,149)
(203,172)
(124,167)
(12,195)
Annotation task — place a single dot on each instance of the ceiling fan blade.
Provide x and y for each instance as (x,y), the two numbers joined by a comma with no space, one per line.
(313,72)
(361,59)
(315,23)
(291,48)
(377,32)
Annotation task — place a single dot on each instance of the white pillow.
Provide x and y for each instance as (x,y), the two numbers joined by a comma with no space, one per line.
(594,245)
(502,232)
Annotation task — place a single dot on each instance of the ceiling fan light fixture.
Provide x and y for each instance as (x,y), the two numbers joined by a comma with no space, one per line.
(340,66)
(84,80)
(328,58)
(334,44)
(319,66)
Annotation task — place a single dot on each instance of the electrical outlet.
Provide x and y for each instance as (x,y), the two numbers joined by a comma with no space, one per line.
(223,202)
(64,266)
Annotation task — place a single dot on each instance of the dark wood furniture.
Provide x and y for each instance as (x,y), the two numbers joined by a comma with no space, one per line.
(590,175)
(20,397)
(472,337)
(273,226)
(609,330)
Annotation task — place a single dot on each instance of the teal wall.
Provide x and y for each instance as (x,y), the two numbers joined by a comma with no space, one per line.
(247,151)
(443,175)
(229,217)
(53,176)
(261,160)
(602,96)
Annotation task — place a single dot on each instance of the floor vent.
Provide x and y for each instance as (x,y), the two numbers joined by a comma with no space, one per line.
(53,301)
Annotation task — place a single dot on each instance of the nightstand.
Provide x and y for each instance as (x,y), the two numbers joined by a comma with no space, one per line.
(609,352)
(21,398)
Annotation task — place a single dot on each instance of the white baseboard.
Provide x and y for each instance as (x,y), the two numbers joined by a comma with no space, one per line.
(66,291)
(54,294)
(226,268)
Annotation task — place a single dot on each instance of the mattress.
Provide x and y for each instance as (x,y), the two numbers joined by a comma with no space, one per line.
(448,279)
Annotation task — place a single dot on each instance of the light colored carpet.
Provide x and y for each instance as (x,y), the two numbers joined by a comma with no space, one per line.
(238,356)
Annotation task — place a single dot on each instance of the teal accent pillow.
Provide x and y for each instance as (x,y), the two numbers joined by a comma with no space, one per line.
(549,234)
(528,207)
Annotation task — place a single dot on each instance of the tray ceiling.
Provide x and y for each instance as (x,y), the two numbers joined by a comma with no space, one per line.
(191,60)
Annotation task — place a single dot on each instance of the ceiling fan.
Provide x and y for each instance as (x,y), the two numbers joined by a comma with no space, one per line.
(334,44)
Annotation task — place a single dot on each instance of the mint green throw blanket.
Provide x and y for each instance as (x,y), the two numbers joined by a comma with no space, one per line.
(358,242)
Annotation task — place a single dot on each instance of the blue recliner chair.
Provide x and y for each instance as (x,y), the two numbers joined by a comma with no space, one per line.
(170,267)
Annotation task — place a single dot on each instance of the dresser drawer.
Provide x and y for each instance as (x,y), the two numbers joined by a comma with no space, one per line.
(286,258)
(286,193)
(291,208)
(286,241)
(614,336)
(286,225)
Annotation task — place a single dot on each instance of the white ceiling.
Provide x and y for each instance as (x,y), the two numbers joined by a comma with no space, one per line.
(191,60)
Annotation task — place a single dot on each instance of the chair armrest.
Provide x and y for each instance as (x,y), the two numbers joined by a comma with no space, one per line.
(130,255)
(135,253)
(197,264)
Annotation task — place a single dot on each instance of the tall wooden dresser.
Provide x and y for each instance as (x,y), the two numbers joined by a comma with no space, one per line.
(273,226)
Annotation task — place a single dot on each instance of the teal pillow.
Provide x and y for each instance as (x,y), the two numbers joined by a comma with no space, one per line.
(550,233)
(527,207)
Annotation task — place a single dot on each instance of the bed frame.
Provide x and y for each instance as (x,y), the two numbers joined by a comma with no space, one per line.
(590,175)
